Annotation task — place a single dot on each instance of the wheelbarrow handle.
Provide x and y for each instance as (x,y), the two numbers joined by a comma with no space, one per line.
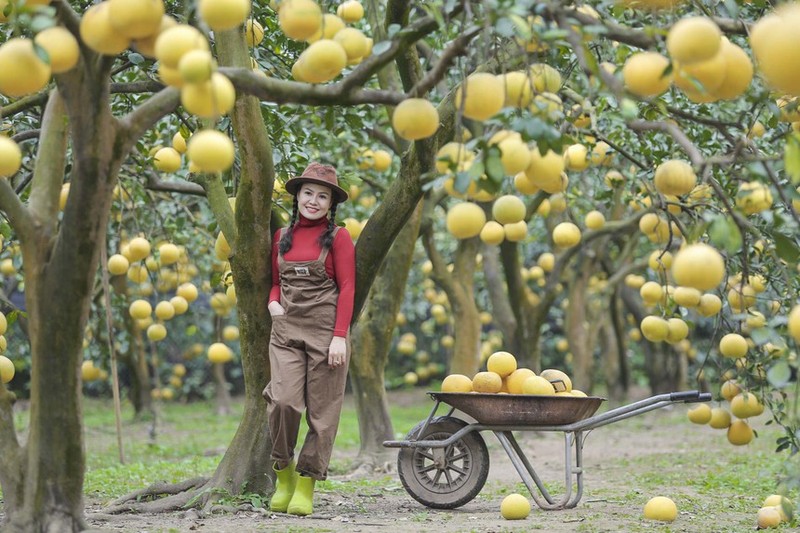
(690,396)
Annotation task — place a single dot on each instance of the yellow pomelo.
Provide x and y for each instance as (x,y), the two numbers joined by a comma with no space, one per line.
(147,45)
(415,118)
(545,171)
(219,353)
(508,209)
(643,74)
(168,254)
(675,177)
(97,32)
(179,143)
(651,292)
(515,507)
(710,305)
(730,389)
(488,382)
(174,42)
(197,66)
(595,220)
(221,15)
(331,25)
(613,178)
(253,33)
(7,369)
(179,304)
(514,155)
(465,220)
(693,39)
(118,265)
(793,323)
(546,79)
(558,379)
(10,156)
(187,291)
(775,40)
(516,232)
(720,418)
(167,160)
(661,508)
(518,89)
(322,61)
(602,154)
(654,328)
(353,41)
(699,266)
(482,95)
(576,157)
(502,363)
(211,150)
(547,261)
(3,325)
(733,345)
(578,393)
(687,296)
(230,333)
(524,185)
(738,72)
(566,235)
(299,19)
(740,433)
(209,99)
(222,250)
(453,154)
(382,160)
(135,19)
(89,372)
(140,309)
(350,11)
(768,517)
(61,47)
(138,249)
(660,260)
(678,330)
(537,385)
(164,310)
(515,380)
(700,414)
(782,504)
(21,70)
(492,233)
(456,383)
(745,405)
(170,76)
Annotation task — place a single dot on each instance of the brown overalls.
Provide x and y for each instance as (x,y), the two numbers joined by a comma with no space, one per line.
(301,377)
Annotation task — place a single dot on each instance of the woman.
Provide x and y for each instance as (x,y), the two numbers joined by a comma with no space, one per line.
(311,303)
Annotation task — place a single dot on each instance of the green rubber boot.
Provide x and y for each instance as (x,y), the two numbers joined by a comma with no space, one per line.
(302,503)
(285,483)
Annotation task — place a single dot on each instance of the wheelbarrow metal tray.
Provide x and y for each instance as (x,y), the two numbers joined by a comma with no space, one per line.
(521,409)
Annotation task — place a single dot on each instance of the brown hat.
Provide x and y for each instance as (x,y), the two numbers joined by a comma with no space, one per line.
(321,174)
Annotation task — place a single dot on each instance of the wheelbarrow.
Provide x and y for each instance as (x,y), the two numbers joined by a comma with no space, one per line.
(443,463)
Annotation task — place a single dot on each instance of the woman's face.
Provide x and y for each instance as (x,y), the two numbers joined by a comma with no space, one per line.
(314,200)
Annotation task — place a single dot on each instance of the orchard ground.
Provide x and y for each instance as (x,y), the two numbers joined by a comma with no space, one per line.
(716,486)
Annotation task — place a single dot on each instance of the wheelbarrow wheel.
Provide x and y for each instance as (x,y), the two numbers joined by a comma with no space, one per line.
(444,478)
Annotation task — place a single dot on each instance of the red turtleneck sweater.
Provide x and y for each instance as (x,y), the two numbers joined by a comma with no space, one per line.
(340,264)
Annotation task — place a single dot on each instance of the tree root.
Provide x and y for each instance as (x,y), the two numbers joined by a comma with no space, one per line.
(367,465)
(159,497)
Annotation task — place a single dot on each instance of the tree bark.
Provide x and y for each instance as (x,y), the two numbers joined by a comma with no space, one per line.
(577,331)
(502,314)
(526,334)
(372,337)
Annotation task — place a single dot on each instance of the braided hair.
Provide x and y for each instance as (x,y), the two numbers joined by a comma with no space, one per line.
(325,239)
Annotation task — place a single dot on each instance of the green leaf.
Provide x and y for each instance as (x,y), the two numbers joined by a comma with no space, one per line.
(786,247)
(724,234)
(791,157)
(494,166)
(779,374)
(136,59)
(381,47)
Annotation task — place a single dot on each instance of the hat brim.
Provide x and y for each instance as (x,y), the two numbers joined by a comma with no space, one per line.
(293,185)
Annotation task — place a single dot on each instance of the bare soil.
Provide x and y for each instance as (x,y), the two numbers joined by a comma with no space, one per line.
(610,501)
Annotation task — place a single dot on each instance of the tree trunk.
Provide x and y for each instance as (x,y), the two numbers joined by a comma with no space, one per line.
(502,314)
(617,369)
(526,334)
(221,390)
(371,339)
(577,331)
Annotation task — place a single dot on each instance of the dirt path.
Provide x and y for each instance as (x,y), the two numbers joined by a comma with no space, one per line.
(610,502)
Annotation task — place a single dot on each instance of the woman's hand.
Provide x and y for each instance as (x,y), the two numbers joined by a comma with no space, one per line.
(275,308)
(337,353)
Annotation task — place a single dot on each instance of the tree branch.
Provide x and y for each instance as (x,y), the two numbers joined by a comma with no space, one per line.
(138,121)
(457,48)
(23,104)
(48,174)
(179,186)
(17,213)
(149,86)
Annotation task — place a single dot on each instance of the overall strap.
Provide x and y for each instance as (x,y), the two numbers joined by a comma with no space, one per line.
(323,255)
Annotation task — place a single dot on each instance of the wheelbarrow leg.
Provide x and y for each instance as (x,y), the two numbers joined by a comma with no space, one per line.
(532,480)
